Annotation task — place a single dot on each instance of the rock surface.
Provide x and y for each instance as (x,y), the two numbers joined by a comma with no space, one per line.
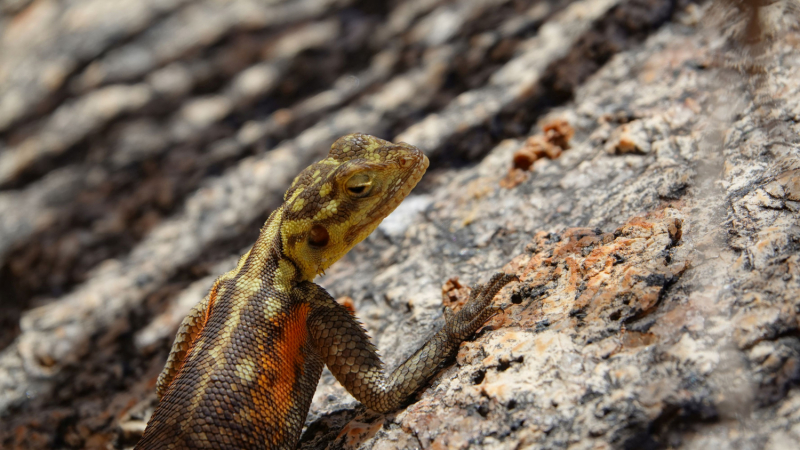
(637,168)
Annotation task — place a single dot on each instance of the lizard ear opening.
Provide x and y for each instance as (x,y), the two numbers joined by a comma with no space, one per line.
(318,236)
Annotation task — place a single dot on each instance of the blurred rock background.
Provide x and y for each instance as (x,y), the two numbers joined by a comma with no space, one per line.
(635,161)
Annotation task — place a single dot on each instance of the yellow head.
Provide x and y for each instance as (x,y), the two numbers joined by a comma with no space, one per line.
(337,202)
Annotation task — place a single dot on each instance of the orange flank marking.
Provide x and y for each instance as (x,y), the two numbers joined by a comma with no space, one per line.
(283,365)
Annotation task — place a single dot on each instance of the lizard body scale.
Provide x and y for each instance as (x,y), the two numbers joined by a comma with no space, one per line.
(246,360)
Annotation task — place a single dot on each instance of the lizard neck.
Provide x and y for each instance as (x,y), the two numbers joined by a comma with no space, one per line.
(266,260)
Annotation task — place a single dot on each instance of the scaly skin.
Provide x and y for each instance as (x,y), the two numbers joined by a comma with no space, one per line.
(247,359)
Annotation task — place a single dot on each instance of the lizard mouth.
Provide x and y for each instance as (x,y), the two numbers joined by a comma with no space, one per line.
(400,193)
(396,194)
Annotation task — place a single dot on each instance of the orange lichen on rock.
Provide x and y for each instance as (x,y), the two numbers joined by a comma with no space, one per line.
(514,178)
(790,182)
(532,150)
(558,132)
(454,294)
(357,432)
(553,140)
(586,278)
(630,137)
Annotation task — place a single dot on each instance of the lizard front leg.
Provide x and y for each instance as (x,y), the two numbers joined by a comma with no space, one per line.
(347,351)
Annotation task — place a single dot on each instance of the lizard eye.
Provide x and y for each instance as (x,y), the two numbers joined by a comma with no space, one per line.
(359,185)
(318,236)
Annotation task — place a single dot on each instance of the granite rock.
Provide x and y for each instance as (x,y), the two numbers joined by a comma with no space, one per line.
(657,249)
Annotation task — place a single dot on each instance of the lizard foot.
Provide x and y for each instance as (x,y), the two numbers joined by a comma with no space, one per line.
(477,311)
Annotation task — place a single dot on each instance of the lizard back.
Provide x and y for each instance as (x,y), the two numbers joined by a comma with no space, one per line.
(249,376)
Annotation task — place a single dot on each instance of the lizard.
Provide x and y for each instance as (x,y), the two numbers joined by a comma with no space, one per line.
(246,360)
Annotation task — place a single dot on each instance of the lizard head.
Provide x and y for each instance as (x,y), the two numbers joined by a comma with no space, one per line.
(336,203)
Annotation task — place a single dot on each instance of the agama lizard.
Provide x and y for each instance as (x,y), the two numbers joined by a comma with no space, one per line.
(247,358)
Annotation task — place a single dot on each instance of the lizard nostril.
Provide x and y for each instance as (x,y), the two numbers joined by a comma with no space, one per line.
(406,162)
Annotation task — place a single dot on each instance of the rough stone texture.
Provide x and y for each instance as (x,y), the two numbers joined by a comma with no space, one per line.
(658,254)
